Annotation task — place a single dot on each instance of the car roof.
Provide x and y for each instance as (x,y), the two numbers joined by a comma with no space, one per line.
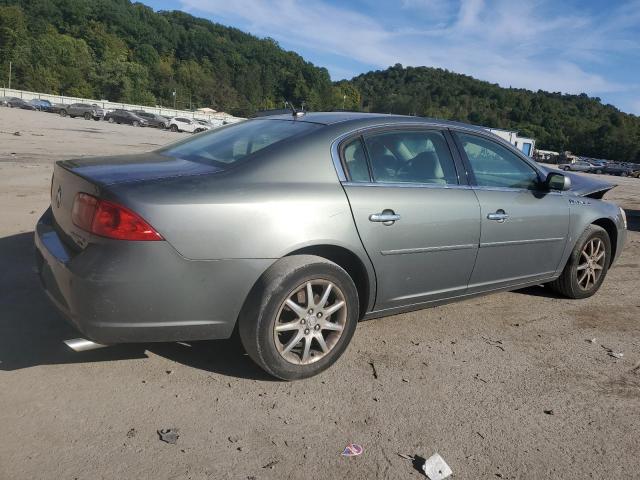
(331,118)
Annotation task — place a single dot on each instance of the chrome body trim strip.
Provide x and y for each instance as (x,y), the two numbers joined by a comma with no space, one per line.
(444,248)
(521,242)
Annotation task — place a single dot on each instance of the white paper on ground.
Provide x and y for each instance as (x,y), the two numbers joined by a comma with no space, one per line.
(436,468)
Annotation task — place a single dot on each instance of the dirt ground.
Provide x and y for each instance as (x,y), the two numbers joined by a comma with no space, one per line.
(503,386)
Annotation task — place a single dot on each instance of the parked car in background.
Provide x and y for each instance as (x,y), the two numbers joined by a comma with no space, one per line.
(125,116)
(15,102)
(41,105)
(153,119)
(182,124)
(578,166)
(291,229)
(4,101)
(82,110)
(619,169)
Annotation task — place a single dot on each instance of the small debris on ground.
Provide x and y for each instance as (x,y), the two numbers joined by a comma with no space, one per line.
(435,468)
(17,134)
(593,340)
(234,438)
(169,435)
(352,450)
(612,353)
(131,433)
(548,412)
(168,372)
(373,367)
(271,464)
(405,456)
(478,378)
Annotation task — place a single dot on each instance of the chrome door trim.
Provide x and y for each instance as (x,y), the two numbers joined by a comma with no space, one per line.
(521,242)
(404,251)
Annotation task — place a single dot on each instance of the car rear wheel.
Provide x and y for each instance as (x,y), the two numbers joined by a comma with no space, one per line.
(587,266)
(111,120)
(623,174)
(598,171)
(300,317)
(63,113)
(136,123)
(87,116)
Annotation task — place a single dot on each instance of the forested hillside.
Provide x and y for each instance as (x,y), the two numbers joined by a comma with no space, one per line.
(123,51)
(120,51)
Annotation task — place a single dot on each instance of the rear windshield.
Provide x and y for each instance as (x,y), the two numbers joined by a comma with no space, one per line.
(224,146)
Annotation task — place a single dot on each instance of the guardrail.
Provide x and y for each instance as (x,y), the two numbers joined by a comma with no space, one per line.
(108,105)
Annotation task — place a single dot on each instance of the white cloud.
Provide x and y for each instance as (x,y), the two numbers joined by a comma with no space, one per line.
(517,43)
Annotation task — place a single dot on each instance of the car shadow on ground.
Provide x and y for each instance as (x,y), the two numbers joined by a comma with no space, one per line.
(32,331)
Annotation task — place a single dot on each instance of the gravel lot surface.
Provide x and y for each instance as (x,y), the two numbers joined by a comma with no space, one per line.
(503,386)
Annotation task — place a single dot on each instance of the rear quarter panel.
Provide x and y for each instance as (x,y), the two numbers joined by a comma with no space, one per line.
(284,199)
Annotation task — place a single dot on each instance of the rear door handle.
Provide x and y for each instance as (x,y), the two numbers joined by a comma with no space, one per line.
(387,217)
(500,216)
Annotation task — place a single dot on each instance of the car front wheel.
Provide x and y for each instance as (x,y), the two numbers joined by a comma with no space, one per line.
(63,113)
(299,317)
(587,266)
(174,128)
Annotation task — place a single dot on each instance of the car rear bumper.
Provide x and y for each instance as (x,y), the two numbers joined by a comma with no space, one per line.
(122,292)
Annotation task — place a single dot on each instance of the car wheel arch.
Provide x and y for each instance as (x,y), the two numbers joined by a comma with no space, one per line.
(352,264)
(612,230)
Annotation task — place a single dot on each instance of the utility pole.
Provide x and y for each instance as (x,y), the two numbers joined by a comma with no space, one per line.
(9,75)
(344,100)
(174,99)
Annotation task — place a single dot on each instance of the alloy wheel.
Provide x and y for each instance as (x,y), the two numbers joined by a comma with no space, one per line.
(592,259)
(310,322)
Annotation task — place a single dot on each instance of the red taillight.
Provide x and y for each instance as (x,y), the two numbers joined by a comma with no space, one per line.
(108,219)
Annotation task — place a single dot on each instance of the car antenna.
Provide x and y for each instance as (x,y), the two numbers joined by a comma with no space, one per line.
(294,111)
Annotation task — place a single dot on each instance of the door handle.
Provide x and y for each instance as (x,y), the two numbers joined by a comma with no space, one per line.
(387,217)
(500,216)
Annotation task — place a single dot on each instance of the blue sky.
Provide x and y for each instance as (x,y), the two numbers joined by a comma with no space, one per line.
(574,46)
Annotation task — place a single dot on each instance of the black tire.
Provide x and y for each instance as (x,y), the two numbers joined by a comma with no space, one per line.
(136,123)
(87,116)
(165,125)
(567,283)
(111,120)
(624,174)
(97,119)
(257,319)
(599,172)
(566,169)
(63,113)
(174,128)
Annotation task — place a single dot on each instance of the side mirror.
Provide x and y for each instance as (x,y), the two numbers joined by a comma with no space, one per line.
(557,181)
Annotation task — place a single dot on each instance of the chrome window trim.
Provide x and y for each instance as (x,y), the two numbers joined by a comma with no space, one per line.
(451,186)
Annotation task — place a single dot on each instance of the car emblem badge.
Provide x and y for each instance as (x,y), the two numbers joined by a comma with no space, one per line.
(59,196)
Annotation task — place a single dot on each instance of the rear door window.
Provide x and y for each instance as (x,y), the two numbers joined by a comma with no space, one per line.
(411,156)
(355,161)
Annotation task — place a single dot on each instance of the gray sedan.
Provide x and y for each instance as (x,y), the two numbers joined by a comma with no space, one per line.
(290,229)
